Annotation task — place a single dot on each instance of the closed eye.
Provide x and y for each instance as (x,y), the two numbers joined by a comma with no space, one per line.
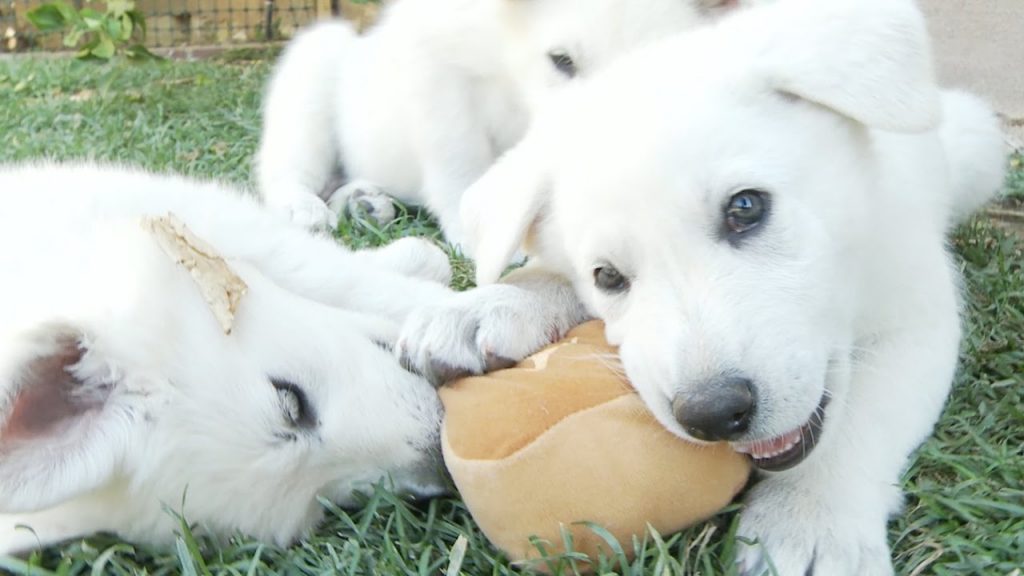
(563,63)
(609,280)
(295,406)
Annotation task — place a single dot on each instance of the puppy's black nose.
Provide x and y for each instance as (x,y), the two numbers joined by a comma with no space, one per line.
(718,409)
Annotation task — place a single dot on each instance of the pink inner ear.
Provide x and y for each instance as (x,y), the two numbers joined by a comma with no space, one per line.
(48,395)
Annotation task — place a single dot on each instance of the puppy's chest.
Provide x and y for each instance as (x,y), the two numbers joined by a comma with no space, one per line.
(503,113)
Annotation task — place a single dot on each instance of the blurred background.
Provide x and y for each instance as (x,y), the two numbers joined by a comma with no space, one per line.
(177,23)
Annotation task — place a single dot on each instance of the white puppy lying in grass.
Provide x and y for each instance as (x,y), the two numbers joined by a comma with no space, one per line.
(764,233)
(121,392)
(421,106)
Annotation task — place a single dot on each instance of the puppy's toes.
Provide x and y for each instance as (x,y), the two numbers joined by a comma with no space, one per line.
(755,559)
(306,211)
(439,343)
(488,328)
(507,334)
(869,559)
(416,257)
(364,200)
(788,530)
(750,559)
(300,206)
(315,218)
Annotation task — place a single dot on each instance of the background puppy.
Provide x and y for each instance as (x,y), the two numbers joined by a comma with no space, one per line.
(764,235)
(423,104)
(121,394)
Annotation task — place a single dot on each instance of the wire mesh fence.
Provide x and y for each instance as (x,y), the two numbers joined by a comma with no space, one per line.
(181,22)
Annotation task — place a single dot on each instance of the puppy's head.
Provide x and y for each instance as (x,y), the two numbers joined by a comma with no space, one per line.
(708,195)
(549,42)
(136,391)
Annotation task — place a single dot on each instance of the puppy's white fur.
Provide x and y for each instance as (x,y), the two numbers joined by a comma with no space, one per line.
(120,394)
(845,290)
(423,103)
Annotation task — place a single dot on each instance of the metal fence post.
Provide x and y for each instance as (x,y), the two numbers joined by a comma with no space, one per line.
(268,31)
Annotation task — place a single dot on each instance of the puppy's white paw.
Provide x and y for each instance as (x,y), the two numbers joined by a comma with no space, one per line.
(306,211)
(20,534)
(363,198)
(793,531)
(487,328)
(416,257)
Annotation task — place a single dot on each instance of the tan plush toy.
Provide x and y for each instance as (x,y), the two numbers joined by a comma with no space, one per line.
(561,439)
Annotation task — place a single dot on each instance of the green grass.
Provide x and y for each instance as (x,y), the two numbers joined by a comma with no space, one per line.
(1015,181)
(197,118)
(965,509)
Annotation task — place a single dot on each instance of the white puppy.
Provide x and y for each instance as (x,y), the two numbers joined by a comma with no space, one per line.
(763,233)
(121,393)
(423,104)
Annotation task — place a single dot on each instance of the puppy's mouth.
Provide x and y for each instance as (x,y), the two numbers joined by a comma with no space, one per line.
(786,451)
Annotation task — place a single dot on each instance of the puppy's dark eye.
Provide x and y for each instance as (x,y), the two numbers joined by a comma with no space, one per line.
(294,404)
(563,63)
(746,210)
(610,280)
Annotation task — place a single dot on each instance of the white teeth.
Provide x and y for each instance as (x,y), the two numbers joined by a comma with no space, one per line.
(783,450)
(763,449)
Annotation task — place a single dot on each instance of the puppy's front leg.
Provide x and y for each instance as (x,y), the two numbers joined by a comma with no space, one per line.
(390,281)
(828,515)
(100,511)
(298,146)
(490,327)
(454,141)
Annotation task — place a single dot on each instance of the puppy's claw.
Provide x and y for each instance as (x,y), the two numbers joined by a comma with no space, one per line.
(412,256)
(442,373)
(489,328)
(493,362)
(404,360)
(364,199)
(835,536)
(309,212)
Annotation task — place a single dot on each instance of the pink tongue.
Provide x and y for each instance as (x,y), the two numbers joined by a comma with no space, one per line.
(763,448)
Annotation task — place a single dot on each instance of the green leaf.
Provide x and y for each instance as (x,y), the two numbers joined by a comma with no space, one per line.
(71,15)
(47,17)
(93,19)
(114,30)
(127,27)
(73,37)
(120,7)
(104,48)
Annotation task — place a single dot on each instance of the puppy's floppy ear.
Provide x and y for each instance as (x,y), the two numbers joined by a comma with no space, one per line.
(501,207)
(869,60)
(59,436)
